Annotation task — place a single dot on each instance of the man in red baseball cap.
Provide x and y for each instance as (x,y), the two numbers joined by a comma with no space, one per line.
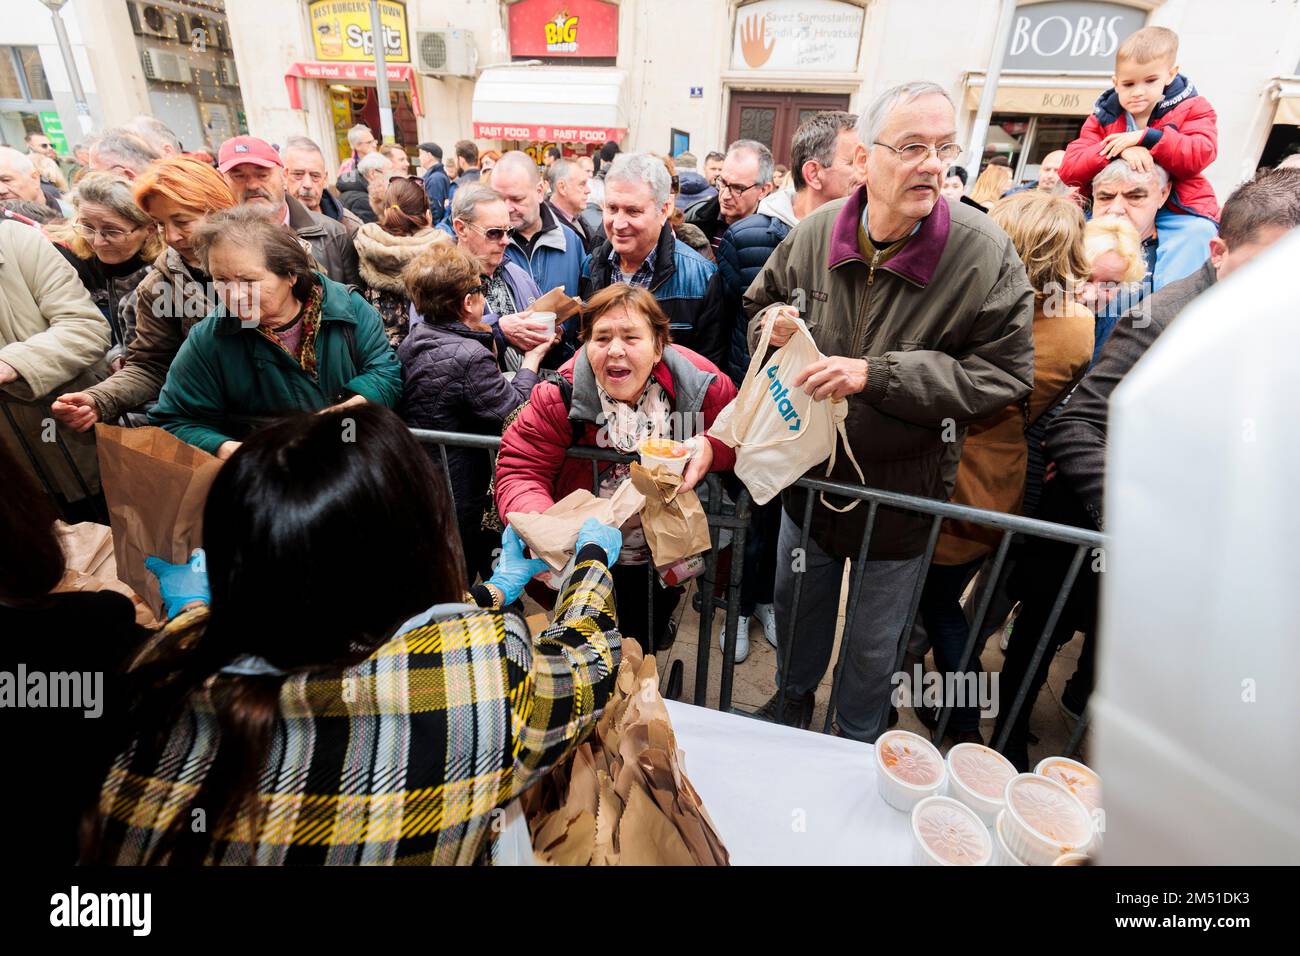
(255,173)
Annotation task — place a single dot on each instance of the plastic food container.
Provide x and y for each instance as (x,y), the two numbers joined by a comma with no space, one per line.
(1002,855)
(1073,859)
(1082,781)
(948,833)
(1043,820)
(908,769)
(665,453)
(548,318)
(977,776)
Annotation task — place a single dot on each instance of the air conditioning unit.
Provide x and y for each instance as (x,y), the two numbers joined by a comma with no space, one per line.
(164,65)
(446,53)
(226,74)
(151,20)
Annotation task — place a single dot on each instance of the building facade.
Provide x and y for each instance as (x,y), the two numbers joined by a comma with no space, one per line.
(667,75)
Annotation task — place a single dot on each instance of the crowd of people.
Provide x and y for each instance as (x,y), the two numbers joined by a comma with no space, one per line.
(252,308)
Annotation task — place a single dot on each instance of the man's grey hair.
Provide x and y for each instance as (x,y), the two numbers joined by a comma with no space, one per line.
(155,132)
(373,162)
(520,160)
(303,144)
(642,169)
(876,115)
(126,147)
(357,133)
(1118,170)
(469,198)
(766,164)
(559,171)
(686,160)
(21,162)
(815,140)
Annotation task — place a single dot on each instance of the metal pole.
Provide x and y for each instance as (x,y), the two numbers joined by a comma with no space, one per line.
(979,132)
(74,78)
(381,76)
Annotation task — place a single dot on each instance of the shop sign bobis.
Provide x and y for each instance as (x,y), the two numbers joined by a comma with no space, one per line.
(1070,35)
(341,33)
(564,28)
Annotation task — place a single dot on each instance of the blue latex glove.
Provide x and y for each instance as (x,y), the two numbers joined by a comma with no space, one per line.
(513,570)
(181,583)
(595,532)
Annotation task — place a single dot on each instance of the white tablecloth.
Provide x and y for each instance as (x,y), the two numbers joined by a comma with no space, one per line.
(786,797)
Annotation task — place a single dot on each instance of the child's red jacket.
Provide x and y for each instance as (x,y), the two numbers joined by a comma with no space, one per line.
(1182,136)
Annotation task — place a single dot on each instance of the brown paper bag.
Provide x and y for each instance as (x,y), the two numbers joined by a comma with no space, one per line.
(553,534)
(90,566)
(156,486)
(675,525)
(556,301)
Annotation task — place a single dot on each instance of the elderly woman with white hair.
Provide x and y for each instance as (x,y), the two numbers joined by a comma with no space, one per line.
(641,249)
(111,243)
(1117,267)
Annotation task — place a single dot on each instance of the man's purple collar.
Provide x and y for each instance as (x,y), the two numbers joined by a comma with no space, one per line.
(917,260)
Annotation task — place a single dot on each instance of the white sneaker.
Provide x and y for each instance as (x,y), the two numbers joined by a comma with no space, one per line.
(766,614)
(742,639)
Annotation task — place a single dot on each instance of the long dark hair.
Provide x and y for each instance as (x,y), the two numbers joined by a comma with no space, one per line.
(323,534)
(31,558)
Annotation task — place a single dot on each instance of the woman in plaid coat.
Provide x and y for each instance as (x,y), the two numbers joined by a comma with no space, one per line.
(340,701)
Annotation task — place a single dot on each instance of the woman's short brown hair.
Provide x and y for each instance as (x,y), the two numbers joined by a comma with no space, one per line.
(631,299)
(248,226)
(438,279)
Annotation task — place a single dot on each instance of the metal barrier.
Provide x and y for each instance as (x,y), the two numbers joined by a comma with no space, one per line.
(736,519)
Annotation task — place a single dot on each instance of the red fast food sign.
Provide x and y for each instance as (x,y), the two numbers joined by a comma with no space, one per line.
(560,28)
(558,134)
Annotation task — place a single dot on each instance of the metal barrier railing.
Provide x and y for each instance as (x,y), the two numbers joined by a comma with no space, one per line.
(737,518)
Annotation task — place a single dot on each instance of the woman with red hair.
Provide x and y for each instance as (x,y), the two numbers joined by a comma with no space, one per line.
(174,295)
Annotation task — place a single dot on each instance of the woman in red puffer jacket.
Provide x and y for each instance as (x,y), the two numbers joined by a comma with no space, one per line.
(626,383)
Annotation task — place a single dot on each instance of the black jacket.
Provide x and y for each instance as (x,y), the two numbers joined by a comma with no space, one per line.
(707,214)
(354,194)
(437,186)
(329,241)
(741,256)
(593,225)
(686,287)
(450,382)
(1076,439)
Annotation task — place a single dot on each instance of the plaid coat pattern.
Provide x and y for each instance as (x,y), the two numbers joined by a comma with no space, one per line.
(400,759)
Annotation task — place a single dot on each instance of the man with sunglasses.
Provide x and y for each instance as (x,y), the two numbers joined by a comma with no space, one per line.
(745,179)
(923,311)
(481,220)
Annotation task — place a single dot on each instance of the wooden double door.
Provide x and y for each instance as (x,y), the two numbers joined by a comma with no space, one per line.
(772,118)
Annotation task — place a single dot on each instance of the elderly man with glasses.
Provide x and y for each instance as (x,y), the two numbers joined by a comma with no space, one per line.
(481,220)
(923,311)
(745,179)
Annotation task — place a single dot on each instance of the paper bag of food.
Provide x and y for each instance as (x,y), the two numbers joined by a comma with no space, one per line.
(623,798)
(556,301)
(156,486)
(553,534)
(674,522)
(90,566)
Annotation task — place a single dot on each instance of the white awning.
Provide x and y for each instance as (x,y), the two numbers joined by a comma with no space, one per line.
(550,103)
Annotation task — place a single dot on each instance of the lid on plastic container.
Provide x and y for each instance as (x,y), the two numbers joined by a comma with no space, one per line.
(951,832)
(909,758)
(981,769)
(1048,809)
(1079,779)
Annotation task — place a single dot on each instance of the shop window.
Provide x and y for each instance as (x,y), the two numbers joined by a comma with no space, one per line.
(30,58)
(21,75)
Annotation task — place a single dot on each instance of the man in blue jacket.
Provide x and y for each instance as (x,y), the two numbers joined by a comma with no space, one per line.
(538,241)
(640,249)
(437,184)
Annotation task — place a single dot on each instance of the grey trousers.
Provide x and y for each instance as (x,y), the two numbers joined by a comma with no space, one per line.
(873,635)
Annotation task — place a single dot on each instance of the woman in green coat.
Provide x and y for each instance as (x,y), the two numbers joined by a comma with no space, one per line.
(284,338)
